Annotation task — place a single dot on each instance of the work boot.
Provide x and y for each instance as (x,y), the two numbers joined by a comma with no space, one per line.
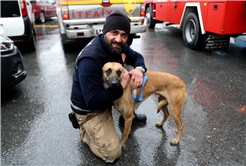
(138,118)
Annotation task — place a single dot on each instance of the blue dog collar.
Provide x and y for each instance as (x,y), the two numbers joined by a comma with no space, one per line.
(141,93)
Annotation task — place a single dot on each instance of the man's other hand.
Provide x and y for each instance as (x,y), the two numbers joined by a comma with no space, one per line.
(136,78)
(125,78)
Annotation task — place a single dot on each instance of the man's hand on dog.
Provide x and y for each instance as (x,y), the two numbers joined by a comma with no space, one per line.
(125,78)
(136,77)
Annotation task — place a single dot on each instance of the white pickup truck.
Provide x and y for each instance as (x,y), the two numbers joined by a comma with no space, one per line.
(84,19)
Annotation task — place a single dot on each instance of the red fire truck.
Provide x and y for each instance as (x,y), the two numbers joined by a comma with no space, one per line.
(205,24)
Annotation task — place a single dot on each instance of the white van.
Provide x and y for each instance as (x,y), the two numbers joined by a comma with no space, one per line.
(18,22)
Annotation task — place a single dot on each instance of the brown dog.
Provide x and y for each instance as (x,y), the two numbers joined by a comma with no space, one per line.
(172,91)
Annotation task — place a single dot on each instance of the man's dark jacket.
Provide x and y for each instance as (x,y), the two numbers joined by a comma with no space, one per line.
(88,94)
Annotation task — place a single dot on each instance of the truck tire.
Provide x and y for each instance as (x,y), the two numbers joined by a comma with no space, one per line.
(149,19)
(192,32)
(66,47)
(32,42)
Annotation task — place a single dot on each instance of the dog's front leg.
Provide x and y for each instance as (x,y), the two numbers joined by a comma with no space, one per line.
(127,128)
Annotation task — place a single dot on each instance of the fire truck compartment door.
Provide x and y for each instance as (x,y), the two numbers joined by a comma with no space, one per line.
(215,17)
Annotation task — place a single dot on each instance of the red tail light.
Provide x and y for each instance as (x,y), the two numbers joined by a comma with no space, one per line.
(142,12)
(65,14)
(23,8)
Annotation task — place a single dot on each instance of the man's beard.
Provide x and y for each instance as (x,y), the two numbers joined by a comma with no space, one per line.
(112,50)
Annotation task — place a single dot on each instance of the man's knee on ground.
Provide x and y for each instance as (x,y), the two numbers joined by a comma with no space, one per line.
(110,157)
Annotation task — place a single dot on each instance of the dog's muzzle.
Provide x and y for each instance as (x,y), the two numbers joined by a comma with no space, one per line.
(113,82)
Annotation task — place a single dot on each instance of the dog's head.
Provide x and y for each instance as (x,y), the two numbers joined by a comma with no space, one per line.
(112,74)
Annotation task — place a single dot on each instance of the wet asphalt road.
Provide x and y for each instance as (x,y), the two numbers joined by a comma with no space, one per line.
(35,129)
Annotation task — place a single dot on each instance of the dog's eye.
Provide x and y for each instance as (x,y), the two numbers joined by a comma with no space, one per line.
(119,73)
(108,72)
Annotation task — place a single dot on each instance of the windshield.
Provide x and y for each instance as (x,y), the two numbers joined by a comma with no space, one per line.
(7,5)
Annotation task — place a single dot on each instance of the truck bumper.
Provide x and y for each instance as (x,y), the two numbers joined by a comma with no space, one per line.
(80,34)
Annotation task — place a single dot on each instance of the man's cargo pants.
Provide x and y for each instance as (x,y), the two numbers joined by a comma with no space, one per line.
(98,131)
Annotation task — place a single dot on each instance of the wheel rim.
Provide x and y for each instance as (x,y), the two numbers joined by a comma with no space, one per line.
(42,18)
(190,31)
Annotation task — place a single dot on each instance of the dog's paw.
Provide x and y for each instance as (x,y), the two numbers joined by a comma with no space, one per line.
(174,142)
(158,124)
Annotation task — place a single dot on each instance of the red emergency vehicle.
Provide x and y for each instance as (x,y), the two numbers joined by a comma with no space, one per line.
(206,24)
